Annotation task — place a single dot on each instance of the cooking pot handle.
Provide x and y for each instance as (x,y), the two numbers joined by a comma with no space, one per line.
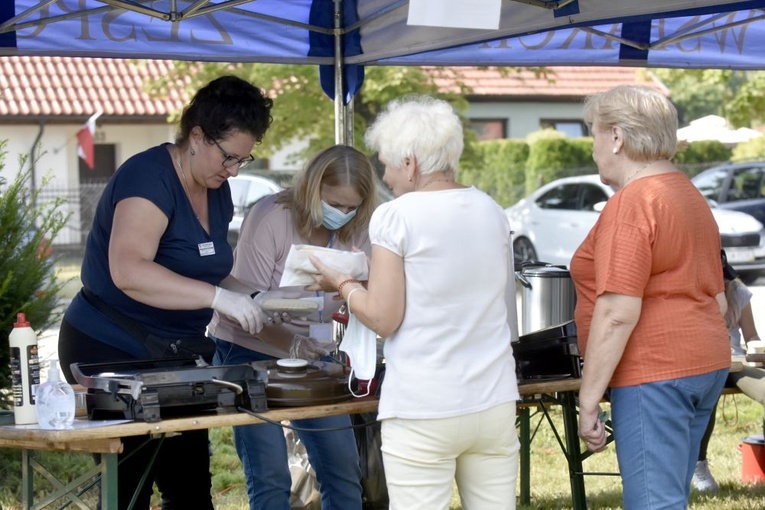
(228,384)
(533,263)
(536,263)
(522,279)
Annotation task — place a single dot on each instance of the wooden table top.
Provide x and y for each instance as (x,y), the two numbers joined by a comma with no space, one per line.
(96,438)
(99,438)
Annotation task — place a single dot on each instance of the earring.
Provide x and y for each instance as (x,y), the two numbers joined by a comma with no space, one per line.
(615,150)
(193,153)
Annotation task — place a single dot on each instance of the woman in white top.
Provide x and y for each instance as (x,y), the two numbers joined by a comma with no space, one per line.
(439,278)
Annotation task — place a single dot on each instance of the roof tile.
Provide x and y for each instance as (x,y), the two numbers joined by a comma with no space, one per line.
(554,82)
(71,86)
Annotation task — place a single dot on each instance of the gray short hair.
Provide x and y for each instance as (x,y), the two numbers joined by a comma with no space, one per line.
(646,116)
(422,127)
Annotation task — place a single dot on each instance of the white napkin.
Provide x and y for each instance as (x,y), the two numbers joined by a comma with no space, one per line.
(298,267)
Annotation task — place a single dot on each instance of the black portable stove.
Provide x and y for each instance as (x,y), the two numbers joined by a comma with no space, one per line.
(149,390)
(549,353)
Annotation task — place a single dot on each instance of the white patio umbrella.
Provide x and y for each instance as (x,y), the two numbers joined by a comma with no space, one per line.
(713,127)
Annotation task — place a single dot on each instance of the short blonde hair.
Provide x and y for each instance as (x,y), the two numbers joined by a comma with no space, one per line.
(422,127)
(339,165)
(647,118)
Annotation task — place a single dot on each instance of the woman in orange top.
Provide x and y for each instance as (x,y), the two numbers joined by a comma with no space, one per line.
(650,302)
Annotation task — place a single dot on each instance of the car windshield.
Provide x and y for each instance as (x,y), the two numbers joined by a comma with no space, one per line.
(710,183)
(245,191)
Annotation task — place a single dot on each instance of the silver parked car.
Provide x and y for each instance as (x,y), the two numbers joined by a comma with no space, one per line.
(735,186)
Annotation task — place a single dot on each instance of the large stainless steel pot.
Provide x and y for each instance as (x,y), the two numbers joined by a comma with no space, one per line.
(547,296)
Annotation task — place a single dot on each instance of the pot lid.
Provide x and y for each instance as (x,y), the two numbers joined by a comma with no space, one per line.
(291,365)
(297,382)
(544,270)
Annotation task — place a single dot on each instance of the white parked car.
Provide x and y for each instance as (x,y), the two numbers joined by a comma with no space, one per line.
(245,191)
(551,223)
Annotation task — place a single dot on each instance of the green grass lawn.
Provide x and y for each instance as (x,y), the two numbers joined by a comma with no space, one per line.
(737,418)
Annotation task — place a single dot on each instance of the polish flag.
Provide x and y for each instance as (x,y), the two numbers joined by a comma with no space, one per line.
(85,140)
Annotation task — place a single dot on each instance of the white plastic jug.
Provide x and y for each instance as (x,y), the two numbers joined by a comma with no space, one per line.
(25,370)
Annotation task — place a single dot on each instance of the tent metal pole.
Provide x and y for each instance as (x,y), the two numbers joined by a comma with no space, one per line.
(349,119)
(340,110)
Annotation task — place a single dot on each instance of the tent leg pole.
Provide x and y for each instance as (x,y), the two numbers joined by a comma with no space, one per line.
(340,110)
(349,122)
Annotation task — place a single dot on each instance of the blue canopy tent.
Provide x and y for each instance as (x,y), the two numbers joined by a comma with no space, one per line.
(343,36)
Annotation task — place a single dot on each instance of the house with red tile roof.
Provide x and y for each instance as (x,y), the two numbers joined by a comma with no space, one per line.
(48,98)
(511,103)
(44,101)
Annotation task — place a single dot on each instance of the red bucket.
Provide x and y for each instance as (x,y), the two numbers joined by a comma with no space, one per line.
(753,459)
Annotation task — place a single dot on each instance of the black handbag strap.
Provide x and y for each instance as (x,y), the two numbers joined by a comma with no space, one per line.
(157,347)
(131,326)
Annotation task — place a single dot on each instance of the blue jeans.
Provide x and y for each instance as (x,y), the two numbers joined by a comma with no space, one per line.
(263,452)
(658,428)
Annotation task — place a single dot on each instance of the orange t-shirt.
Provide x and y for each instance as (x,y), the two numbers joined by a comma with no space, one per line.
(657,239)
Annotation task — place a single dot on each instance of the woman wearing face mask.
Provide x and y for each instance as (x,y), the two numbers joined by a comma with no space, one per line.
(329,205)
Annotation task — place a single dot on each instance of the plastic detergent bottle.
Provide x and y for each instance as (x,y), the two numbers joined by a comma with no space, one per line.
(55,401)
(25,370)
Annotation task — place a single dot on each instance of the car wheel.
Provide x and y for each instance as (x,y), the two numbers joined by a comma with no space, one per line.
(523,250)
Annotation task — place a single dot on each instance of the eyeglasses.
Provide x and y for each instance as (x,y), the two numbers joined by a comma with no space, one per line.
(230,161)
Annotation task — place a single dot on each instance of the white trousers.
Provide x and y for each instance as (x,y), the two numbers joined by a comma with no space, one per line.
(422,458)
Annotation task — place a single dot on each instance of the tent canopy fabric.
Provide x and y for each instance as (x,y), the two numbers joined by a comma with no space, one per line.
(649,33)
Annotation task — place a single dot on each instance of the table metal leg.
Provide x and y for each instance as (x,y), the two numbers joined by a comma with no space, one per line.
(573,452)
(109,480)
(524,425)
(27,479)
(106,470)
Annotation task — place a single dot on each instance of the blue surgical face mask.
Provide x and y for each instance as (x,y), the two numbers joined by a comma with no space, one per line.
(334,219)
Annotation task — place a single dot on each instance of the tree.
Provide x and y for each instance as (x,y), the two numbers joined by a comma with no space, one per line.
(553,155)
(750,151)
(27,280)
(738,96)
(501,169)
(301,109)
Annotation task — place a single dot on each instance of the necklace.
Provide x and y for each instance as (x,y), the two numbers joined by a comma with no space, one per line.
(628,179)
(185,183)
(436,180)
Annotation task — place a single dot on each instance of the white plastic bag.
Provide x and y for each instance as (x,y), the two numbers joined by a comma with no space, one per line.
(298,268)
(304,492)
